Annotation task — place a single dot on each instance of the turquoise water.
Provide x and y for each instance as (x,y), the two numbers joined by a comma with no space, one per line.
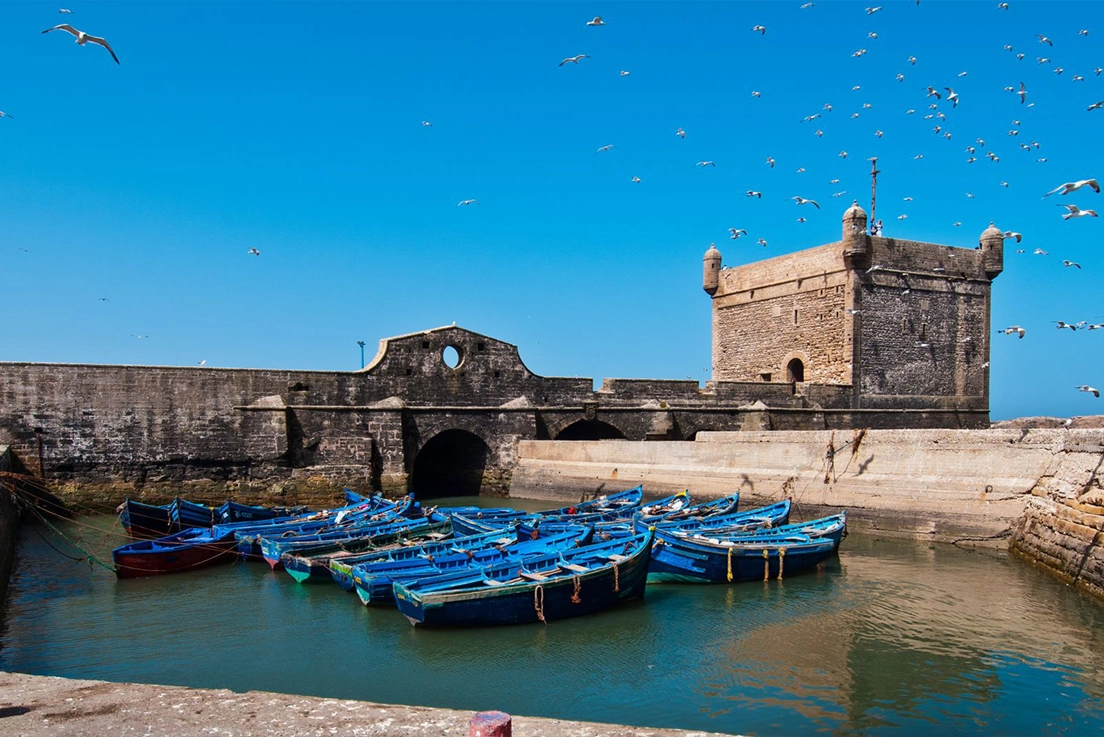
(894,638)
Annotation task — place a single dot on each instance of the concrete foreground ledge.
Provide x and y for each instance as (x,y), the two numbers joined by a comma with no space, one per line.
(60,707)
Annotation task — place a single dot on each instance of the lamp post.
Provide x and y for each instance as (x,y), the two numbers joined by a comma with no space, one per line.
(361,344)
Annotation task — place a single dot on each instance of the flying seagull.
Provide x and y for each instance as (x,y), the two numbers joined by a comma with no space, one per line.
(1022,93)
(1013,329)
(706,163)
(680,133)
(1012,234)
(607,147)
(760,29)
(635,180)
(65,11)
(1067,263)
(1043,39)
(803,201)
(83,38)
(254,252)
(467,202)
(1089,389)
(952,96)
(574,59)
(1074,186)
(737,232)
(754,193)
(4,115)
(596,22)
(1077,212)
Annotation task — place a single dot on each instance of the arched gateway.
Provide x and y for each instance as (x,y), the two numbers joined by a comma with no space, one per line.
(452,463)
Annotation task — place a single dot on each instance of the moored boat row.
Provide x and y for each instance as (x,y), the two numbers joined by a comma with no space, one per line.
(466,566)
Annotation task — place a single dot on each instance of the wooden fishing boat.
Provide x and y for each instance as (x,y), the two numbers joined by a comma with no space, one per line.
(771,515)
(487,520)
(662,508)
(230,512)
(678,558)
(374,580)
(623,501)
(540,588)
(833,527)
(341,569)
(188,549)
(305,559)
(143,520)
(722,505)
(249,541)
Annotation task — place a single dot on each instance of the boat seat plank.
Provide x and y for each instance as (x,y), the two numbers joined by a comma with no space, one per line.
(532,576)
(575,568)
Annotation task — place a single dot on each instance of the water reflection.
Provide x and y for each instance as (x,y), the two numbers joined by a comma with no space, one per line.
(892,637)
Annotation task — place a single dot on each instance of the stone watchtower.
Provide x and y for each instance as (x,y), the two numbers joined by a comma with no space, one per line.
(902,325)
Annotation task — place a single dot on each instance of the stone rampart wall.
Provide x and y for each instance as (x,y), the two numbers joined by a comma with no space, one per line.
(946,485)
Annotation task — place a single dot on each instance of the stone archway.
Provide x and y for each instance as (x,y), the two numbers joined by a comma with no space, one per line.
(451,463)
(590,430)
(795,371)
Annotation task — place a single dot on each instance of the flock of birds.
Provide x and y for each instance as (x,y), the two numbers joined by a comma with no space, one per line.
(942,94)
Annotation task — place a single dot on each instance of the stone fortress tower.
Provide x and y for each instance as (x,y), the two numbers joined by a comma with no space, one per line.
(903,324)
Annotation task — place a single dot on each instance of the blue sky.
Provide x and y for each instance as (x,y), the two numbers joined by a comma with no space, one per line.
(131,194)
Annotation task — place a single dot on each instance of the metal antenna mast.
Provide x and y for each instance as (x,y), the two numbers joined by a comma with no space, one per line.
(873,192)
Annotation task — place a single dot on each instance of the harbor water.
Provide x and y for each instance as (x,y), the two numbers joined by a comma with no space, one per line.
(895,637)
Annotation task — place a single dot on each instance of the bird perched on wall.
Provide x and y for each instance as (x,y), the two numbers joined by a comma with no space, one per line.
(1067,263)
(1074,186)
(83,38)
(1013,330)
(1088,389)
(1077,212)
(574,59)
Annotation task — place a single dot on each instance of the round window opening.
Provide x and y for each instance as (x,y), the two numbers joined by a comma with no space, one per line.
(452,356)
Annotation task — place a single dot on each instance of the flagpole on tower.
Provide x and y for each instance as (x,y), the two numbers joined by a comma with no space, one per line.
(873,192)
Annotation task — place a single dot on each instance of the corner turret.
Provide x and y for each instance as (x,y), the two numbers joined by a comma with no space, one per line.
(711,270)
(992,251)
(856,249)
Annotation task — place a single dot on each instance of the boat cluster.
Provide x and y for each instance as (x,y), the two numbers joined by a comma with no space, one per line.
(471,566)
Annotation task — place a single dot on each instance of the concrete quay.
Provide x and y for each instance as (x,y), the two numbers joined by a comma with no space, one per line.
(61,707)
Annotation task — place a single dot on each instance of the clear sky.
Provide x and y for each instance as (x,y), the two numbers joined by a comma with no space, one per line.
(131,194)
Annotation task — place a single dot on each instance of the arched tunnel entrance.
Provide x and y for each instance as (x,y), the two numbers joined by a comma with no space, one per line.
(450,464)
(590,430)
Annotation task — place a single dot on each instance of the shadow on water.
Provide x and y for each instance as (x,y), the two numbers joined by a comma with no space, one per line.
(891,637)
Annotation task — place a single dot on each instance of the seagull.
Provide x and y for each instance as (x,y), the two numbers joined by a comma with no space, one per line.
(1095,326)
(1096,105)
(574,59)
(736,232)
(1059,324)
(839,194)
(4,115)
(806,6)
(753,193)
(762,242)
(1074,186)
(1012,234)
(202,363)
(253,251)
(680,133)
(756,93)
(843,154)
(912,60)
(1002,6)
(1089,389)
(900,77)
(427,124)
(760,29)
(952,96)
(1076,212)
(467,202)
(596,22)
(706,163)
(801,220)
(770,160)
(1022,93)
(933,93)
(872,11)
(1067,263)
(969,196)
(902,217)
(1043,39)
(860,52)
(607,147)
(1040,252)
(83,38)
(67,11)
(852,311)
(635,180)
(623,73)
(1083,32)
(1013,329)
(803,201)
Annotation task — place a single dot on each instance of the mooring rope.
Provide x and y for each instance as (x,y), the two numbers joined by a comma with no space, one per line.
(575,598)
(766,565)
(616,579)
(781,561)
(538,602)
(730,565)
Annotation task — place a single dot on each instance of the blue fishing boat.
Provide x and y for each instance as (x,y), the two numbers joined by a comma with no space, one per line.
(341,569)
(143,520)
(249,541)
(540,588)
(622,501)
(487,520)
(833,527)
(374,580)
(771,515)
(678,558)
(721,505)
(230,512)
(304,559)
